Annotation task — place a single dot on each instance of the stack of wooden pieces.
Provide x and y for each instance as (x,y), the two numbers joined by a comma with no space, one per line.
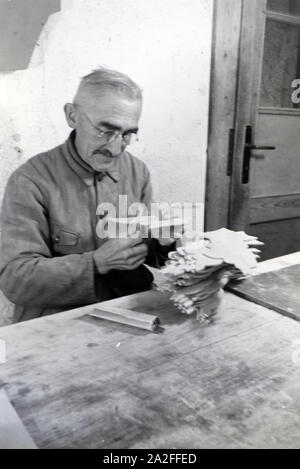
(197,273)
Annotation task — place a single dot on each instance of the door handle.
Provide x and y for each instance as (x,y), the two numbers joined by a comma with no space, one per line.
(248,147)
(260,147)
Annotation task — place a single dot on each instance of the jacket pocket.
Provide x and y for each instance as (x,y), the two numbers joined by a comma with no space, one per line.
(64,241)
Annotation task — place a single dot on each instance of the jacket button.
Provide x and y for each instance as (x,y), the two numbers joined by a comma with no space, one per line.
(57,239)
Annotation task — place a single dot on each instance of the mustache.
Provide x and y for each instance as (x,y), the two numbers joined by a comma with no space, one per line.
(103,152)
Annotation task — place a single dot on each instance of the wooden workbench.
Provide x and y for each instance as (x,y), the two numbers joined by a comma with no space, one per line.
(79,382)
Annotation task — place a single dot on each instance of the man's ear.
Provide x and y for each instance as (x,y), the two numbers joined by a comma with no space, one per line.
(71,115)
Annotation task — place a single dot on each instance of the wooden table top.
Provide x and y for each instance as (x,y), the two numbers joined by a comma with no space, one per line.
(82,382)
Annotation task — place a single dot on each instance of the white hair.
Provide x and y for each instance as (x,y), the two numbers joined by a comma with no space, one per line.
(108,78)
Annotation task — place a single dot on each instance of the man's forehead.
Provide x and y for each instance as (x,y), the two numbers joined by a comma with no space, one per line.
(115,110)
(94,96)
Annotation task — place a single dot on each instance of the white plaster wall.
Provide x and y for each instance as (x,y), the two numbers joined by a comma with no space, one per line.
(165,45)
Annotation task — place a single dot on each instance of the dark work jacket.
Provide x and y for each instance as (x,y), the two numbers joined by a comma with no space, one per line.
(49,232)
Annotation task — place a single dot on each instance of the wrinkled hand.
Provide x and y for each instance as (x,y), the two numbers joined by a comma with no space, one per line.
(120,254)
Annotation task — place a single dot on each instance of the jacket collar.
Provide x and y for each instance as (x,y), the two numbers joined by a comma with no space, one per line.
(82,169)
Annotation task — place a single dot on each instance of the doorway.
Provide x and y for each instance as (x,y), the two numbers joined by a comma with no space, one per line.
(253,179)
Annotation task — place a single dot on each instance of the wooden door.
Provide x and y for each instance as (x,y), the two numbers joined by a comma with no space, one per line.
(265,191)
(260,188)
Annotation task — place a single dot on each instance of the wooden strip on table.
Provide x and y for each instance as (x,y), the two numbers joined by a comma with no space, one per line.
(126,316)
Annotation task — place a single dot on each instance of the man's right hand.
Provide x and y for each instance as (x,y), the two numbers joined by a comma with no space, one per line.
(120,254)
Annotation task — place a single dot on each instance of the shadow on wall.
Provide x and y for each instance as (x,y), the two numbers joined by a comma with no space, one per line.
(18,35)
(18,39)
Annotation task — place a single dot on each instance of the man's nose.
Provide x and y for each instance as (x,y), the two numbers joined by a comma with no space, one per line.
(117,146)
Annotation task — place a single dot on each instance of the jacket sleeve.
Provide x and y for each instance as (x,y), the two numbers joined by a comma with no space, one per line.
(147,192)
(29,275)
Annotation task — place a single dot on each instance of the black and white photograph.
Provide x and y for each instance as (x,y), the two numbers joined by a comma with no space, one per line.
(149,227)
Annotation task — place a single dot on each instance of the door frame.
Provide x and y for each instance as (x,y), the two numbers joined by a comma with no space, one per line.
(238,35)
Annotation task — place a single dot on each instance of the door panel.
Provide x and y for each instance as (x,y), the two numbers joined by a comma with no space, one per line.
(267,209)
(286,7)
(280,63)
(268,205)
(277,172)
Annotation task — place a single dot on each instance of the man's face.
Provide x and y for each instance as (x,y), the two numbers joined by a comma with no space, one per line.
(102,111)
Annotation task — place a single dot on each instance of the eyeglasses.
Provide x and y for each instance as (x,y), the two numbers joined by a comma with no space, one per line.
(109,136)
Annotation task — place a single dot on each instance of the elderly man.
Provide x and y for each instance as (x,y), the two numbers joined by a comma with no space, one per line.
(52,258)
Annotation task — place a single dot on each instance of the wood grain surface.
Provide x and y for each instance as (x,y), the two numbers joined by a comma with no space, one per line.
(79,382)
(278,290)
